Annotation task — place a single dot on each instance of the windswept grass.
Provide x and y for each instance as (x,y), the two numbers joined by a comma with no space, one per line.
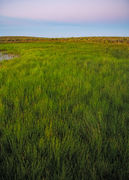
(64,111)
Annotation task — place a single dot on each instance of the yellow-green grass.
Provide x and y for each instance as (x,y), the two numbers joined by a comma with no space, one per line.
(64,110)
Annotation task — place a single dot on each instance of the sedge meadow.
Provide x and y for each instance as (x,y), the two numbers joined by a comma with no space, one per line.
(64,109)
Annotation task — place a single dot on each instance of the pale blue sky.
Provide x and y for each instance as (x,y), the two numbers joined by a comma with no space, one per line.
(64,18)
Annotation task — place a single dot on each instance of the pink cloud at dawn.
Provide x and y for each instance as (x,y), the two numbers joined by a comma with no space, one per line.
(66,11)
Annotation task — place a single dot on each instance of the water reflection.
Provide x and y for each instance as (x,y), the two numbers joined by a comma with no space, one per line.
(4,56)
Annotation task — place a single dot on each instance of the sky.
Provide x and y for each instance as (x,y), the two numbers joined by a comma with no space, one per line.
(64,18)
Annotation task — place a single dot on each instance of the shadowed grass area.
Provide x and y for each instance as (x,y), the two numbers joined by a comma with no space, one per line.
(64,111)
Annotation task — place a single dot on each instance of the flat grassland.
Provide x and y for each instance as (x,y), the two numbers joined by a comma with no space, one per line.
(64,109)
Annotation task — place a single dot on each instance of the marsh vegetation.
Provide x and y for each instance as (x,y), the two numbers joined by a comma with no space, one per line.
(64,110)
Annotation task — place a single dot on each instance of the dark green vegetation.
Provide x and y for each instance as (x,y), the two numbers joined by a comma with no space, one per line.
(64,110)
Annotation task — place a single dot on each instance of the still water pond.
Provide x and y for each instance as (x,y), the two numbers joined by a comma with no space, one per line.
(5,56)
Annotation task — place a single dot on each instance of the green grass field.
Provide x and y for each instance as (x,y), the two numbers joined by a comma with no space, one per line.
(64,109)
